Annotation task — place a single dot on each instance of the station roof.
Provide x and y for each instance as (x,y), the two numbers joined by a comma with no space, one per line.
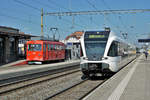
(8,31)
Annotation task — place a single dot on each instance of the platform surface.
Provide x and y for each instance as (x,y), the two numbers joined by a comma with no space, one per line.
(131,83)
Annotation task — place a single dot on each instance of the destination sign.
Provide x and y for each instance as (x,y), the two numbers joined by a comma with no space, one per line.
(96,36)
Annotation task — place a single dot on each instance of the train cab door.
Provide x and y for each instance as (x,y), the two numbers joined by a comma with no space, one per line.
(113,55)
(44,51)
(55,52)
(48,50)
(52,51)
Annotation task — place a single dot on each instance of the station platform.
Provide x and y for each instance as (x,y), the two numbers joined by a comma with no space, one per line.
(130,83)
(15,69)
(14,63)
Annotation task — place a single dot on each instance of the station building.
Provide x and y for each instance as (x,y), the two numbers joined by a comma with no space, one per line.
(9,42)
(73,45)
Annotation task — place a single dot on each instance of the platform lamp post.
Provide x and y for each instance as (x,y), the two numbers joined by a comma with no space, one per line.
(53,29)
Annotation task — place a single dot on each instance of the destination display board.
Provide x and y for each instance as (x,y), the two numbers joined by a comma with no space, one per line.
(96,35)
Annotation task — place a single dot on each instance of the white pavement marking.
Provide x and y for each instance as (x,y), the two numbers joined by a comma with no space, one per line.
(116,94)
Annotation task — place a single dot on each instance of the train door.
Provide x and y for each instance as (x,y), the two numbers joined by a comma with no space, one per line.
(55,52)
(113,56)
(48,51)
(44,51)
(52,52)
(60,51)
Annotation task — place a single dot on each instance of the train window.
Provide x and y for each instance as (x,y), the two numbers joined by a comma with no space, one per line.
(58,47)
(48,47)
(62,47)
(34,47)
(55,47)
(113,51)
(51,46)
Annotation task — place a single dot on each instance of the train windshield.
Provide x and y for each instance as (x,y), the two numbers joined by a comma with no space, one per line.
(34,47)
(95,44)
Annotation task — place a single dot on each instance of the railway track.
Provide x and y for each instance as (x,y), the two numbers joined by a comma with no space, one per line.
(13,86)
(40,90)
(77,91)
(18,79)
(68,86)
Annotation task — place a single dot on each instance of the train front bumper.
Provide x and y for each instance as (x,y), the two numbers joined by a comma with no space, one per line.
(100,67)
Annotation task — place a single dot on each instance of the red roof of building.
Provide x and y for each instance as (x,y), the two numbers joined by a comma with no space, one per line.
(76,35)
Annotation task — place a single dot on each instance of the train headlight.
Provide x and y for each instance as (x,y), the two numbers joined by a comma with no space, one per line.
(104,58)
(85,58)
(105,66)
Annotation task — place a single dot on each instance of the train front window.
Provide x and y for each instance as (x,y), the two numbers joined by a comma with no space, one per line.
(34,47)
(95,44)
(95,49)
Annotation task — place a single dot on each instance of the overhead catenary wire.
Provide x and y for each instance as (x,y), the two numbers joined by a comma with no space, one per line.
(44,4)
(119,17)
(30,5)
(68,9)
(105,15)
(95,8)
(27,5)
(73,17)
(91,4)
(99,12)
(54,3)
(18,18)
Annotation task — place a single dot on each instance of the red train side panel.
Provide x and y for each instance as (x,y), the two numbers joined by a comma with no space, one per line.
(39,50)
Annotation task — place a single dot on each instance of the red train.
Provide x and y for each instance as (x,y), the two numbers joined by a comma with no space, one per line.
(39,51)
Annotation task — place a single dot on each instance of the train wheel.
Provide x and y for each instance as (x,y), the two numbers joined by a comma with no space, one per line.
(85,77)
(106,75)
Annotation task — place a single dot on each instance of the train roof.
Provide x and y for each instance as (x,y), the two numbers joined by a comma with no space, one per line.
(44,41)
(112,35)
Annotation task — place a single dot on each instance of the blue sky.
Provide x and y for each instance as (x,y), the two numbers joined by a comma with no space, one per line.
(25,15)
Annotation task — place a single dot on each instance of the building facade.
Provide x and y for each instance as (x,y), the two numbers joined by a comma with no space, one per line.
(73,45)
(9,40)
